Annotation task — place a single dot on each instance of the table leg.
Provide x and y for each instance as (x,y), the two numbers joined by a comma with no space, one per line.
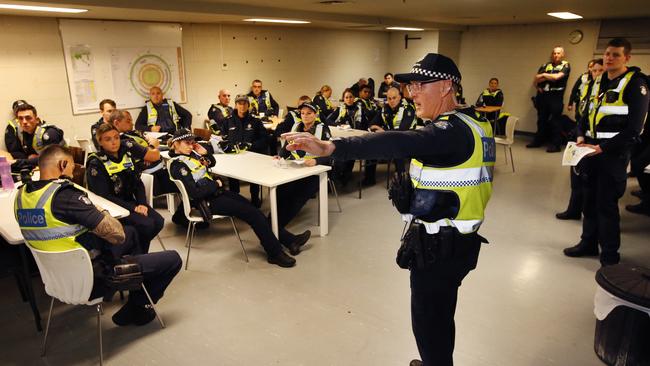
(274,211)
(30,290)
(323,200)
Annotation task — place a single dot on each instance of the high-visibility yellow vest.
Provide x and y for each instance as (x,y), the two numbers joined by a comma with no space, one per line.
(607,110)
(152,113)
(318,133)
(38,142)
(471,180)
(198,170)
(553,69)
(140,140)
(40,228)
(254,106)
(397,117)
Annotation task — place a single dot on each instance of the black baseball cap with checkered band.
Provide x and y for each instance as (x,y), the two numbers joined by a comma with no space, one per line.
(433,67)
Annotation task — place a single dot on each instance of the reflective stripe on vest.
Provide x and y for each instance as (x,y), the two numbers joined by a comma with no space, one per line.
(397,118)
(600,108)
(37,141)
(198,170)
(115,168)
(224,110)
(343,111)
(144,143)
(603,135)
(37,223)
(471,181)
(152,113)
(318,133)
(583,100)
(254,106)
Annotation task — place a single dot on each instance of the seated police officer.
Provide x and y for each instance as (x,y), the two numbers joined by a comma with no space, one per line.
(66,208)
(220,112)
(294,195)
(106,107)
(292,117)
(112,174)
(323,102)
(261,101)
(29,137)
(190,164)
(349,113)
(492,96)
(388,83)
(370,108)
(247,133)
(161,114)
(396,114)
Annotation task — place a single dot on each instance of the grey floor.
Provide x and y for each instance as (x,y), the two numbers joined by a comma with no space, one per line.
(346,302)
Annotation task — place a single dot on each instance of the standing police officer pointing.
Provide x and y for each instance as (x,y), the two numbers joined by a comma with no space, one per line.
(450,185)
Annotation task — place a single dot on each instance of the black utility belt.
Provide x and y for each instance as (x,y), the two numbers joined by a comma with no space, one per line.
(420,250)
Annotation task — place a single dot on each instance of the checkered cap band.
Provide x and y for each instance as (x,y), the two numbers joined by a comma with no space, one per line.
(186,136)
(435,74)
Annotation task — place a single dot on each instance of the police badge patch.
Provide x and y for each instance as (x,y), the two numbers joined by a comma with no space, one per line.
(46,136)
(644,90)
(184,172)
(129,144)
(85,200)
(443,125)
(93,172)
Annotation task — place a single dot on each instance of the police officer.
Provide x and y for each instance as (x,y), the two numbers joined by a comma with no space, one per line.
(610,125)
(492,96)
(26,139)
(261,101)
(106,107)
(220,112)
(396,114)
(66,209)
(292,117)
(190,164)
(451,175)
(112,174)
(348,113)
(388,83)
(550,82)
(161,114)
(370,108)
(323,102)
(574,209)
(248,133)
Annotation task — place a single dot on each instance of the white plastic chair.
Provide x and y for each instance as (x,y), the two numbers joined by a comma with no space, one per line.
(509,139)
(68,277)
(194,217)
(87,146)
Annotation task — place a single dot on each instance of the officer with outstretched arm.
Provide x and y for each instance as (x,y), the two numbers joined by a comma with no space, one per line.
(442,199)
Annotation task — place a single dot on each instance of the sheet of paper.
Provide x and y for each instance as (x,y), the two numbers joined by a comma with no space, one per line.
(574,153)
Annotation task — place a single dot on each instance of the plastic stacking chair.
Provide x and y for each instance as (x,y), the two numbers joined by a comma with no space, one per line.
(147,181)
(87,147)
(508,139)
(68,277)
(336,195)
(194,217)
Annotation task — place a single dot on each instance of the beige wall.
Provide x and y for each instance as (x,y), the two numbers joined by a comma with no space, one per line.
(32,65)
(513,54)
(400,59)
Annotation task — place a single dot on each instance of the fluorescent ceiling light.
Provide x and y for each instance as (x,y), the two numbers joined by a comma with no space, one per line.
(565,15)
(285,21)
(405,29)
(41,8)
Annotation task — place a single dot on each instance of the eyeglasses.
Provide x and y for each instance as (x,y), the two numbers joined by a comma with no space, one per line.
(416,86)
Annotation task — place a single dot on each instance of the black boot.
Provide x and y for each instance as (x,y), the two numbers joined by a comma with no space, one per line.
(568,215)
(582,249)
(282,259)
(299,241)
(641,208)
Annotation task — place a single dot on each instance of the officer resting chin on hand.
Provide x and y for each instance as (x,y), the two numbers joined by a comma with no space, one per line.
(70,221)
(450,184)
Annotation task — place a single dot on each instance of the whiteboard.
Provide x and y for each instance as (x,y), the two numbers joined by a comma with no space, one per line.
(121,61)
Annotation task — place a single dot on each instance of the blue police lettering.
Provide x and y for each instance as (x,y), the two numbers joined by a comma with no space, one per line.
(489,149)
(32,217)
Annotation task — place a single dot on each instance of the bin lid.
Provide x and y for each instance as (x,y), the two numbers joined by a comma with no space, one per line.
(630,283)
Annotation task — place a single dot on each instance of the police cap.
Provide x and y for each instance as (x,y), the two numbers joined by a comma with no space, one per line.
(307,105)
(182,134)
(241,98)
(433,67)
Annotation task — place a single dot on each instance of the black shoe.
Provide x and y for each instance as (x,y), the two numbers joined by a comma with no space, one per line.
(640,208)
(553,149)
(581,250)
(282,259)
(534,144)
(179,219)
(294,247)
(131,314)
(415,363)
(567,215)
(124,316)
(638,193)
(143,315)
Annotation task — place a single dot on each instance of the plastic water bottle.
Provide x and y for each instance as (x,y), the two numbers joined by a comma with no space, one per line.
(5,174)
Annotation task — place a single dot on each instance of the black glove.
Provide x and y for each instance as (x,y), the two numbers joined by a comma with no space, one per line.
(400,192)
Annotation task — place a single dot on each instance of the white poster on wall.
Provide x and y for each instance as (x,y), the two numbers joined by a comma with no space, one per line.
(136,70)
(82,69)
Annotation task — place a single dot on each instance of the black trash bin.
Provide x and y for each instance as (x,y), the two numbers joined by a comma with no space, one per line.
(623,337)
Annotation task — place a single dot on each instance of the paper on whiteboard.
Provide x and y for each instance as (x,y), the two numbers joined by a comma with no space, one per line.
(83,77)
(136,70)
(574,153)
